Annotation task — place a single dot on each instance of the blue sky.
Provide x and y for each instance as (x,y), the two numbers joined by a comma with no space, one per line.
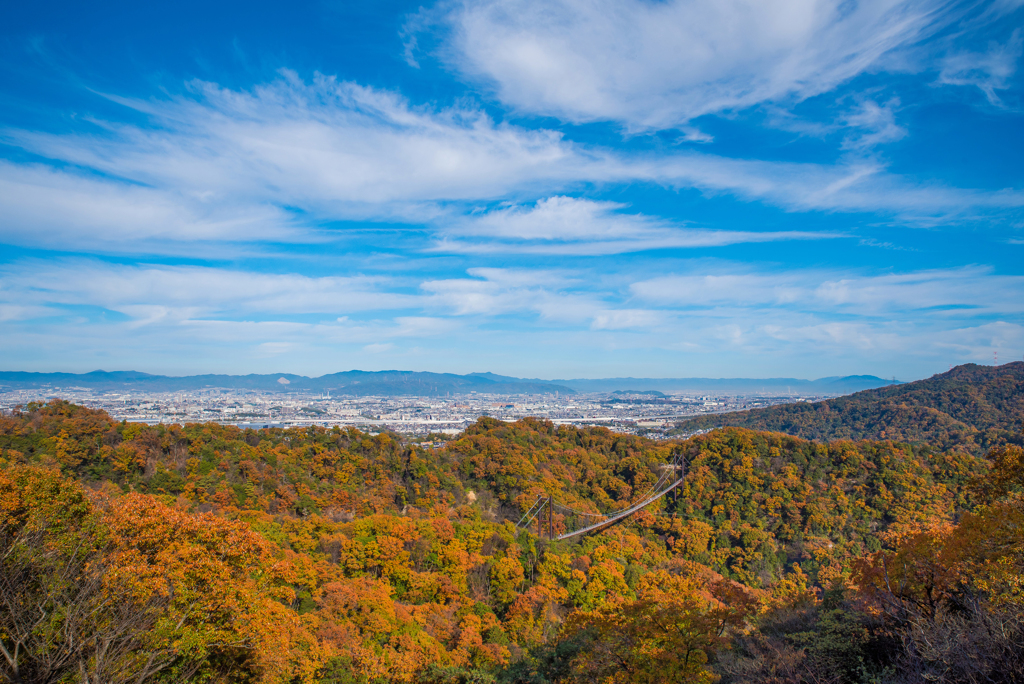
(541,188)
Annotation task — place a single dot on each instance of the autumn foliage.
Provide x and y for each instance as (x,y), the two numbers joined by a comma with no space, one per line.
(972,407)
(210,553)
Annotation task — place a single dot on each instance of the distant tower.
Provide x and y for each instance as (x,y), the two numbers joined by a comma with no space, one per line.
(995,357)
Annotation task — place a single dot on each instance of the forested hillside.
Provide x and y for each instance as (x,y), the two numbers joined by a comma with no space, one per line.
(209,553)
(974,406)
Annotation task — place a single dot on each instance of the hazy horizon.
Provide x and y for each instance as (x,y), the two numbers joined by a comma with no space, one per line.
(414,370)
(484,374)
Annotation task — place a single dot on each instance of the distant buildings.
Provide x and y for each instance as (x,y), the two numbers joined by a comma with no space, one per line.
(646,414)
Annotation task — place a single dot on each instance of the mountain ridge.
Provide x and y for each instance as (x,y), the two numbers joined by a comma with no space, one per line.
(424,383)
(354,382)
(969,405)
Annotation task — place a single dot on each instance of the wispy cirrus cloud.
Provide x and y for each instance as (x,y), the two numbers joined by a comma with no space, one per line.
(338,223)
(945,293)
(857,185)
(330,146)
(658,65)
(554,296)
(873,124)
(146,293)
(988,71)
(710,311)
(199,295)
(563,225)
(153,312)
(65,210)
(284,160)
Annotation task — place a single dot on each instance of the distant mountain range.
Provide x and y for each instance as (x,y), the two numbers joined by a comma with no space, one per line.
(831,385)
(834,385)
(971,405)
(356,383)
(396,383)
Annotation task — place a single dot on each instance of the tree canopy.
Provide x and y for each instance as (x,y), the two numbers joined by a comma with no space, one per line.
(210,553)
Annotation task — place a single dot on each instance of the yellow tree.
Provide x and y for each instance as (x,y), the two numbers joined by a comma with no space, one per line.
(667,635)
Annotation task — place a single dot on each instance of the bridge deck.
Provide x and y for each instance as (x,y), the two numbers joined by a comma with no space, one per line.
(678,464)
(611,520)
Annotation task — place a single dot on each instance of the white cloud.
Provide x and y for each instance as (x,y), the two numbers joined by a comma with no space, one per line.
(1001,7)
(423,326)
(661,64)
(952,293)
(860,185)
(771,334)
(571,226)
(845,335)
(148,294)
(679,239)
(577,318)
(735,290)
(280,162)
(88,309)
(988,71)
(66,210)
(213,298)
(161,296)
(620,319)
(17,312)
(979,341)
(558,218)
(873,124)
(497,292)
(330,146)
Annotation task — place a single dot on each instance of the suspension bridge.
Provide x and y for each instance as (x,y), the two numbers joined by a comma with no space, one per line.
(563,522)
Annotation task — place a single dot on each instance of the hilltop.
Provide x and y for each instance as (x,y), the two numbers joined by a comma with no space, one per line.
(970,405)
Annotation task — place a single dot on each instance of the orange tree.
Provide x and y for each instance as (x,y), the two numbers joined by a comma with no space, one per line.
(669,633)
(137,591)
(954,593)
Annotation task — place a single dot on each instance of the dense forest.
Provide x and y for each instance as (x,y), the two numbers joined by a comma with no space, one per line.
(973,406)
(207,553)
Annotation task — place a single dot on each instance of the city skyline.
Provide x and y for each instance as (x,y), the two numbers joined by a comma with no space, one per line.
(411,416)
(559,189)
